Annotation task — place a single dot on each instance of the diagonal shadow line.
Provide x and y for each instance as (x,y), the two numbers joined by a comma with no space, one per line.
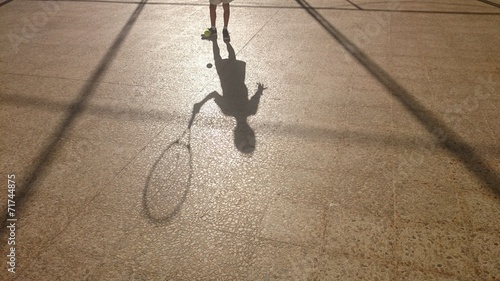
(5,2)
(436,127)
(286,130)
(45,158)
(354,4)
(490,3)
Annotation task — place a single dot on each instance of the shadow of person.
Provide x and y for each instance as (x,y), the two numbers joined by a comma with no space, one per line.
(234,100)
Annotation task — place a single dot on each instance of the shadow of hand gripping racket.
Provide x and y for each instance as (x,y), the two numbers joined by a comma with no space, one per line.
(169,178)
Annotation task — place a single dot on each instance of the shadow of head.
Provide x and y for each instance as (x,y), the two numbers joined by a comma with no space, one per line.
(244,138)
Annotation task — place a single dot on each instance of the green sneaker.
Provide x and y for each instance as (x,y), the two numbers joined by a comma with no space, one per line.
(209,33)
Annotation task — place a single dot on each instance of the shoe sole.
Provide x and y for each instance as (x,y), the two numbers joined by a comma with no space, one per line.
(208,37)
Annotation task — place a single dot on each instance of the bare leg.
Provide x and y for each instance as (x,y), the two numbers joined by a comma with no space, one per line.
(226,14)
(213,14)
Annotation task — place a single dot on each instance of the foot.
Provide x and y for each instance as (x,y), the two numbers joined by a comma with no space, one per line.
(225,35)
(209,33)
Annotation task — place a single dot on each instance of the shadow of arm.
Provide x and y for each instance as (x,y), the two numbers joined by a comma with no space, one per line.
(197,106)
(255,100)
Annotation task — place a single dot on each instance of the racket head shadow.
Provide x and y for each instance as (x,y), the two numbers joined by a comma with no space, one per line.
(168,183)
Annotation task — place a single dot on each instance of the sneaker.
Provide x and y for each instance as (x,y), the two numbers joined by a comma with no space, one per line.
(209,33)
(225,35)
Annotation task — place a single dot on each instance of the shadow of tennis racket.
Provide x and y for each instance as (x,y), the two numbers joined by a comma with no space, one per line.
(169,179)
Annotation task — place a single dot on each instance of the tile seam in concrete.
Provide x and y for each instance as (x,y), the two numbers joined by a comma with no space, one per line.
(258,31)
(293,7)
(71,79)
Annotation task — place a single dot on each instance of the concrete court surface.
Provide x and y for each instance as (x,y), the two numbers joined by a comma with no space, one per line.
(372,154)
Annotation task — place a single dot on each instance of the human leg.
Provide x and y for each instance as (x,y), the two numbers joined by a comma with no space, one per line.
(213,15)
(225,33)
(226,14)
